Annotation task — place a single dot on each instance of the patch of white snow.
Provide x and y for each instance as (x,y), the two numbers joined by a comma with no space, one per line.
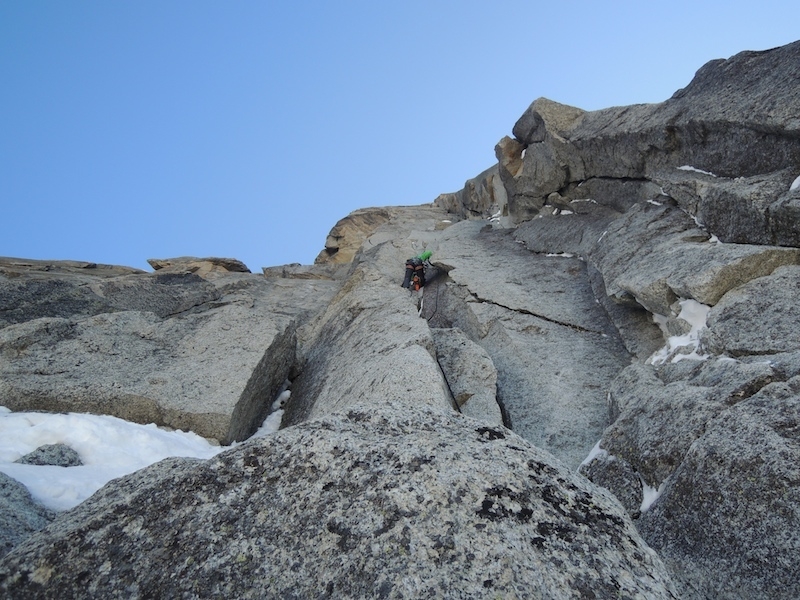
(595,452)
(693,313)
(795,184)
(649,494)
(688,168)
(108,447)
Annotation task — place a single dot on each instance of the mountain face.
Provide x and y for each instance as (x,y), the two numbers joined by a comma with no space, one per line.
(595,395)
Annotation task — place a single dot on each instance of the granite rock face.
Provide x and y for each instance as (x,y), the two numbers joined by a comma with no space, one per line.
(20,514)
(736,119)
(737,485)
(172,348)
(396,501)
(616,296)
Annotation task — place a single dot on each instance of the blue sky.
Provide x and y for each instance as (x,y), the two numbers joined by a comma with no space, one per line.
(156,129)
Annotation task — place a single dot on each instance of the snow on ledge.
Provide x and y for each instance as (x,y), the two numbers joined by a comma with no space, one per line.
(595,452)
(688,168)
(693,313)
(649,494)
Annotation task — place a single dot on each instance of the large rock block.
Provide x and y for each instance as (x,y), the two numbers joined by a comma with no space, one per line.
(170,348)
(391,501)
(726,523)
(657,255)
(761,317)
(481,197)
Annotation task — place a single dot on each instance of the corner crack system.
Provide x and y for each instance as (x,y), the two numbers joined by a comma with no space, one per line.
(522,311)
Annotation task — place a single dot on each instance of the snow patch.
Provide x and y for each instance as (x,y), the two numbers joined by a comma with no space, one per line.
(693,313)
(595,452)
(795,185)
(649,494)
(109,448)
(688,168)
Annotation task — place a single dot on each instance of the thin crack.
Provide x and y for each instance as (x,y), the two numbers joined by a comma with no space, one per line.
(533,314)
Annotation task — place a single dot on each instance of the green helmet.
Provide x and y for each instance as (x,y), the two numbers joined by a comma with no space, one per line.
(425,255)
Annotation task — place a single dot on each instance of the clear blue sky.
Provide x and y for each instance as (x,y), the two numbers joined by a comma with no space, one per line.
(152,129)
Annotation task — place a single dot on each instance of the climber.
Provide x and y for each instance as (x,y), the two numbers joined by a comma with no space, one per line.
(415,271)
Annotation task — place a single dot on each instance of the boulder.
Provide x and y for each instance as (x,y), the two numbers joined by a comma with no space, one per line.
(349,233)
(192,264)
(481,197)
(761,317)
(392,500)
(57,455)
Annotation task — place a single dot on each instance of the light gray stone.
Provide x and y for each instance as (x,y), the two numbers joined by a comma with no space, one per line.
(388,501)
(761,317)
(657,255)
(20,514)
(470,374)
(553,346)
(726,523)
(207,356)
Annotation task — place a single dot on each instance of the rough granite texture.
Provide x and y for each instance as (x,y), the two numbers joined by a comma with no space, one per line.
(400,502)
(20,514)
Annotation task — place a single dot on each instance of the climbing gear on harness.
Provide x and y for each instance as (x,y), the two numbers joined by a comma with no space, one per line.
(415,274)
(415,271)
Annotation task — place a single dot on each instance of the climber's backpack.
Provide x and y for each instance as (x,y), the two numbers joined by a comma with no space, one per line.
(415,274)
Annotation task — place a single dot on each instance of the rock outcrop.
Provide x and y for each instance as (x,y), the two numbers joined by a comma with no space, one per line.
(173,348)
(20,514)
(390,501)
(611,308)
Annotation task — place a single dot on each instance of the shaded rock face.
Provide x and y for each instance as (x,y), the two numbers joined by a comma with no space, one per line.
(553,346)
(738,484)
(391,502)
(172,348)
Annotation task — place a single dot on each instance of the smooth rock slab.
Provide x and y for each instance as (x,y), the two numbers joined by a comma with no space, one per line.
(401,502)
(470,375)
